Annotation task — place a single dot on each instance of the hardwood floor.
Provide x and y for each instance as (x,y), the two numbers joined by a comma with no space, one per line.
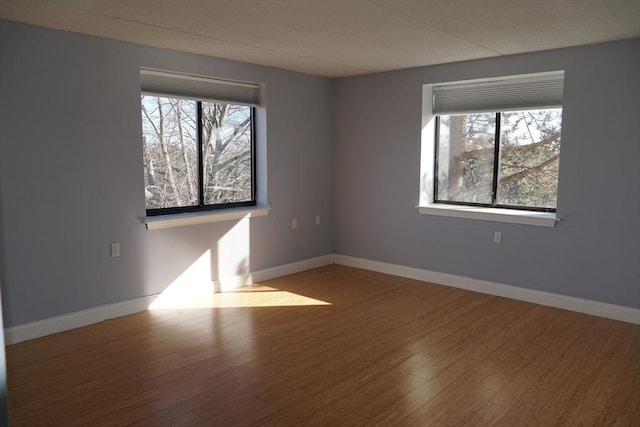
(386,351)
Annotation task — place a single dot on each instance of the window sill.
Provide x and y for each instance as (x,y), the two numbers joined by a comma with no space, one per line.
(178,220)
(540,219)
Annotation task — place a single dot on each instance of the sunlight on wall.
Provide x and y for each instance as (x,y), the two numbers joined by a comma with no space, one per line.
(192,286)
(233,256)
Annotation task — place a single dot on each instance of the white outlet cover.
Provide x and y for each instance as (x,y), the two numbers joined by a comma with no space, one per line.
(115,249)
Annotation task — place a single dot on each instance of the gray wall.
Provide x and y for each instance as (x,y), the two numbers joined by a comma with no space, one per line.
(71,176)
(594,252)
(71,173)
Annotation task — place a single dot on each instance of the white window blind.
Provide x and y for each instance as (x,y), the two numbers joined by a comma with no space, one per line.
(543,90)
(199,88)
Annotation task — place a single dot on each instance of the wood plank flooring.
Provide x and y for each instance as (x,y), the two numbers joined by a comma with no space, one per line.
(386,351)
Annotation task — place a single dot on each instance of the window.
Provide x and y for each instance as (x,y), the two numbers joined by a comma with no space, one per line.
(198,139)
(502,159)
(494,145)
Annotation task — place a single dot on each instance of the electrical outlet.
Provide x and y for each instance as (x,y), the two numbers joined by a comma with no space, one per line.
(294,223)
(115,249)
(497,237)
(317,219)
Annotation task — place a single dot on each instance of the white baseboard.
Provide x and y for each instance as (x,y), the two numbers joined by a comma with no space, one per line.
(581,305)
(234,282)
(128,307)
(64,322)
(52,325)
(294,267)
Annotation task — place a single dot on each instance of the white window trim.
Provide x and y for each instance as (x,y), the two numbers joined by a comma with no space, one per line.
(202,217)
(541,219)
(426,204)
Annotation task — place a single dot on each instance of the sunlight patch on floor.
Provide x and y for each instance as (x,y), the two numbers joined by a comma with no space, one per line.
(273,298)
(195,295)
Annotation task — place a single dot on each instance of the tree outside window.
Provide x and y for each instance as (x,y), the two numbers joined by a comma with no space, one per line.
(197,155)
(504,159)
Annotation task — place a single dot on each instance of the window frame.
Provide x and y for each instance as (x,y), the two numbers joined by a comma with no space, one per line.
(426,205)
(202,206)
(496,172)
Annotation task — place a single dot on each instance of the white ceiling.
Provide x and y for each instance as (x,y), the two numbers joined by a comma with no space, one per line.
(340,37)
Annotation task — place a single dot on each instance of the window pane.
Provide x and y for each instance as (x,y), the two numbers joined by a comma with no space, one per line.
(529,159)
(227,146)
(170,152)
(465,157)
